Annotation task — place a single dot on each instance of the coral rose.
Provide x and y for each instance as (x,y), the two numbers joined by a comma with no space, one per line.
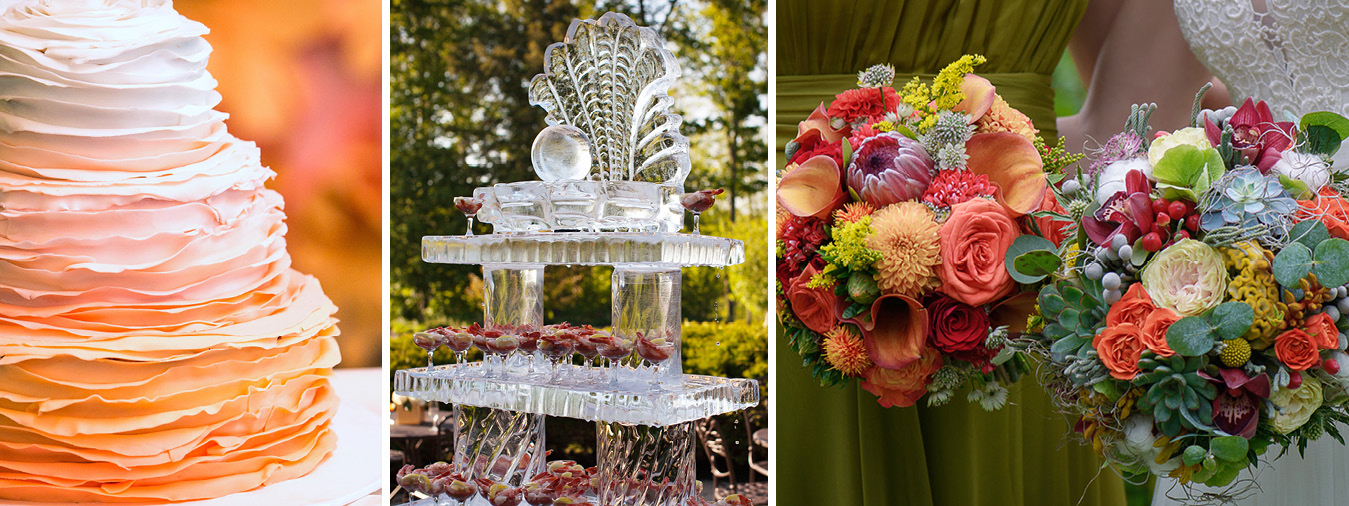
(956,327)
(1120,347)
(974,241)
(1330,209)
(813,306)
(1133,308)
(1323,331)
(1297,350)
(1154,331)
(905,386)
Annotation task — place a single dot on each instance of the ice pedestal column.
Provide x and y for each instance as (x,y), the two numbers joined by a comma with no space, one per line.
(641,465)
(504,446)
(646,302)
(501,445)
(514,295)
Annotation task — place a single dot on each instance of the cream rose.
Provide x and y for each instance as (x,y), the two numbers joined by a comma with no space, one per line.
(1186,136)
(1296,405)
(1188,277)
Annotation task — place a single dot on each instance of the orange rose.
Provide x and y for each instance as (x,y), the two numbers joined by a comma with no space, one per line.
(1154,331)
(1297,350)
(1133,308)
(974,241)
(1323,331)
(813,306)
(1120,347)
(1330,209)
(903,387)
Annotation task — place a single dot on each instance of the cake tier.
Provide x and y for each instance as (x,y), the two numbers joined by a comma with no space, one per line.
(585,248)
(154,343)
(580,392)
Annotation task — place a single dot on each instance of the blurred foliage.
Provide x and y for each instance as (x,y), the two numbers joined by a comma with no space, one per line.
(732,350)
(460,118)
(1069,92)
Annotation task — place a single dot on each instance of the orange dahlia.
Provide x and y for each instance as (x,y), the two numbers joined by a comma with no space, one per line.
(907,238)
(845,351)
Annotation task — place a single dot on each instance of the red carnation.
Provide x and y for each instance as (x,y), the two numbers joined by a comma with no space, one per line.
(863,103)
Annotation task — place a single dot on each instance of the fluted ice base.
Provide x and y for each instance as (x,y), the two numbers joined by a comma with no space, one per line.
(504,446)
(641,465)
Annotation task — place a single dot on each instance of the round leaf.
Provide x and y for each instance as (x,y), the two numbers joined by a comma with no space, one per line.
(1309,232)
(1033,266)
(1292,264)
(1332,262)
(1232,319)
(1190,336)
(1229,448)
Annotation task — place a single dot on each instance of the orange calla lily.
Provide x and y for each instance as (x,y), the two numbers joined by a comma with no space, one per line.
(818,124)
(979,97)
(813,188)
(1013,165)
(896,333)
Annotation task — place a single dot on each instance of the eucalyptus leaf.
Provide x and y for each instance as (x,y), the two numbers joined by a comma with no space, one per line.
(1325,118)
(1232,319)
(1332,262)
(1190,336)
(1033,266)
(1292,264)
(1309,232)
(1026,244)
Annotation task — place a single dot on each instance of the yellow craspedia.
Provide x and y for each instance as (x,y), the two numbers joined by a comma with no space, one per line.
(1236,353)
(845,351)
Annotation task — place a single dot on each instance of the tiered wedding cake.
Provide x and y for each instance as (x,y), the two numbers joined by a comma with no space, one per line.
(154,342)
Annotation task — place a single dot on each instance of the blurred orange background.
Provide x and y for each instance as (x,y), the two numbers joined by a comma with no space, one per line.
(302,78)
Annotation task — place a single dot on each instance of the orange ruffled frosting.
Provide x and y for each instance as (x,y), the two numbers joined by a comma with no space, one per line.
(154,343)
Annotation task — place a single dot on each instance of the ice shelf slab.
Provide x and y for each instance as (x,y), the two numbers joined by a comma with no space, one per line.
(581,392)
(585,248)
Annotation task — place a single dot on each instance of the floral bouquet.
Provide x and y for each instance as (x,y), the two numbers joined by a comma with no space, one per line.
(896,213)
(1195,317)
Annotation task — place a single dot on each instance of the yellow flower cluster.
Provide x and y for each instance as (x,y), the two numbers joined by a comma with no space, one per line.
(944,93)
(946,87)
(1253,283)
(849,250)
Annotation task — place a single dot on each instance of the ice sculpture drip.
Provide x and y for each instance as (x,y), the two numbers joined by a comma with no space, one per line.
(611,164)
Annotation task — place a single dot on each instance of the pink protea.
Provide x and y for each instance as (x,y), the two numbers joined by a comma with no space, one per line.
(889,168)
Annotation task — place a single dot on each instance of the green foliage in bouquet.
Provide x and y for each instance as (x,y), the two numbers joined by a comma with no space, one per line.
(1177,397)
(1193,336)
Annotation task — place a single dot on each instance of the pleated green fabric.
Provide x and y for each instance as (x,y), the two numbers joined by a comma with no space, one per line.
(838,446)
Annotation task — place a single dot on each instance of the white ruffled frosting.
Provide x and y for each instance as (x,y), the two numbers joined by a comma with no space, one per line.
(148,312)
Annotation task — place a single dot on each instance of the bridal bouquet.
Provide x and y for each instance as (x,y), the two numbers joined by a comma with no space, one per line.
(897,210)
(1195,318)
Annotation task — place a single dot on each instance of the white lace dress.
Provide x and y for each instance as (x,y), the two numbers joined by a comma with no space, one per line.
(1294,54)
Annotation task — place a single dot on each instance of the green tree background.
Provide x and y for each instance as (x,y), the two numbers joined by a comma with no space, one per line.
(460,118)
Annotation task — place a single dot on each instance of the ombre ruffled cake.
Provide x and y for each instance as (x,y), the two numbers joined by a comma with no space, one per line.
(154,343)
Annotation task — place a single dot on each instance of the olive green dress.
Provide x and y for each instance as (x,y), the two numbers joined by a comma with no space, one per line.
(838,446)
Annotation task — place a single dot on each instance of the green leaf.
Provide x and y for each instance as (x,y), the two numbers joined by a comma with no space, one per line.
(1319,139)
(1025,244)
(1033,266)
(1052,304)
(1229,448)
(1069,318)
(1190,336)
(1292,264)
(1309,232)
(1332,262)
(854,310)
(1295,188)
(1194,454)
(1324,118)
(905,131)
(1187,172)
(1232,319)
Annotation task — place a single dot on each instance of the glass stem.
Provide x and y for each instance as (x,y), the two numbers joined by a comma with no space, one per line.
(695,223)
(469,231)
(429,362)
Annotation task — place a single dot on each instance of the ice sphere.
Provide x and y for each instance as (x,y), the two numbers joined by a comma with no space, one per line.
(561,152)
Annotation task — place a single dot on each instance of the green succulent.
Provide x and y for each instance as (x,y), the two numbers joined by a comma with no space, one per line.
(1177,397)
(1075,311)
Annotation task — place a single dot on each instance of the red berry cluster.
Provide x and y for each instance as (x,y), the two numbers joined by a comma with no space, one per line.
(1174,221)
